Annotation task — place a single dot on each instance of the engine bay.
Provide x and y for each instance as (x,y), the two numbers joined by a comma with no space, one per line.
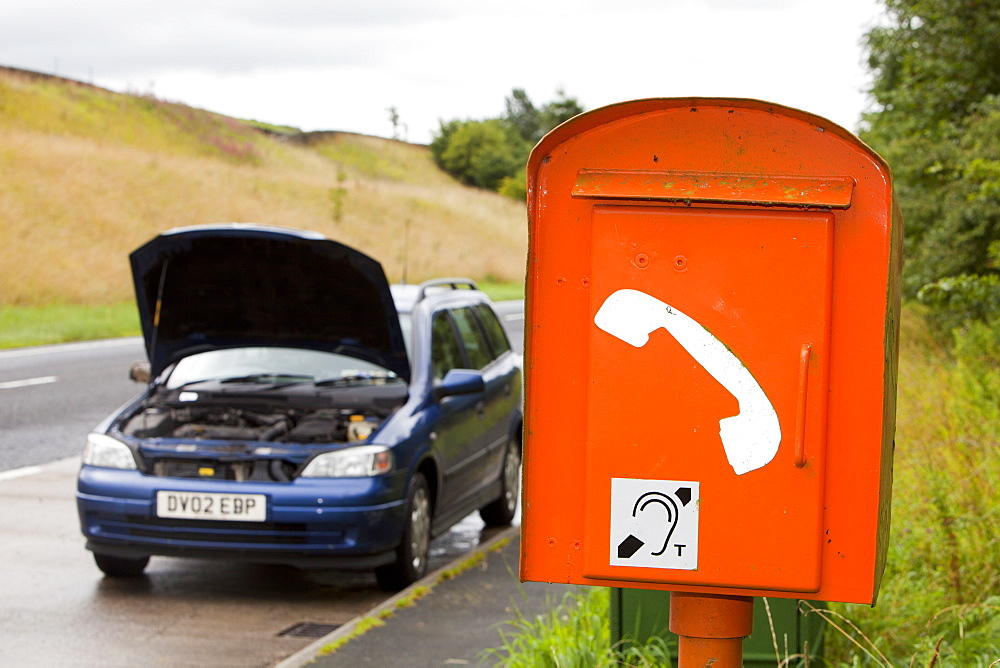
(260,424)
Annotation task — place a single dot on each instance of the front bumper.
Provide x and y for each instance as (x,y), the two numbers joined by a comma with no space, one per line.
(311,522)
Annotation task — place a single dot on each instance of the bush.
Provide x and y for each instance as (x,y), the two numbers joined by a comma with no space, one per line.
(491,154)
(956,302)
(480,153)
(516,186)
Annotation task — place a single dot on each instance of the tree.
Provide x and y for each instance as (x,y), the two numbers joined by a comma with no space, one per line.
(398,128)
(559,110)
(936,89)
(532,123)
(440,140)
(523,117)
(481,153)
(492,153)
(936,59)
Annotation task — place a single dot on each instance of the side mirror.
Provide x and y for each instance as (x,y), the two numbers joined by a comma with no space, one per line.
(460,381)
(139,372)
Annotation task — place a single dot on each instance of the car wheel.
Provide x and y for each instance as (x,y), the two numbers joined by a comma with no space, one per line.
(411,555)
(120,567)
(501,512)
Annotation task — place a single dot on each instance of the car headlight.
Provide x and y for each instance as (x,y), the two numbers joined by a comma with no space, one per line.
(110,453)
(360,462)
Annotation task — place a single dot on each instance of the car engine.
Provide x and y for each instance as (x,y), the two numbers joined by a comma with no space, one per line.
(265,424)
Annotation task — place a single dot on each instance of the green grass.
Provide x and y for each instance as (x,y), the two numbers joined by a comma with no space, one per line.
(572,634)
(56,106)
(394,162)
(499,291)
(418,593)
(365,624)
(62,323)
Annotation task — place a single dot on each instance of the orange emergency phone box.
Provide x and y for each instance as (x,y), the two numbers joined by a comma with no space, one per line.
(711,324)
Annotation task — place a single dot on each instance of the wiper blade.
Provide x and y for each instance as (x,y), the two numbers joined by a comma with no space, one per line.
(264,378)
(192,382)
(276,381)
(372,377)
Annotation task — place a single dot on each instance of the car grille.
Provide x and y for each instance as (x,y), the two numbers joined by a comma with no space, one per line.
(259,470)
(208,533)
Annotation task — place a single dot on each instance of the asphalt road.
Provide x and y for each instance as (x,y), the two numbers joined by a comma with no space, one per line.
(51,396)
(55,606)
(56,609)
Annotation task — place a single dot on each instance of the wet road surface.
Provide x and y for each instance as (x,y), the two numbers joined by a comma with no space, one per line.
(56,608)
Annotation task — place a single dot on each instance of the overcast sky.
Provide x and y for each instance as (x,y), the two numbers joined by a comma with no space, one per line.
(339,65)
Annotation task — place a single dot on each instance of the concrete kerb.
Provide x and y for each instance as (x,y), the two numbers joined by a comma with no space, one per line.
(308,653)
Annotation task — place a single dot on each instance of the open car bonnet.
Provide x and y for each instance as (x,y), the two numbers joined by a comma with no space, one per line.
(227,286)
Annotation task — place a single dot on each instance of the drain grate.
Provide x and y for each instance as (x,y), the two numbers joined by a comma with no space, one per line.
(309,630)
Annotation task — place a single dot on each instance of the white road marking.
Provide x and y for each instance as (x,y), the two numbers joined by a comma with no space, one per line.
(20,473)
(69,347)
(27,382)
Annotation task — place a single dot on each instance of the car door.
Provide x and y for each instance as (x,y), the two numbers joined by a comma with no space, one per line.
(461,423)
(503,389)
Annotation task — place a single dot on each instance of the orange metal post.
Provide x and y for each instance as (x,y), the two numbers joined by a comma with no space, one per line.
(710,628)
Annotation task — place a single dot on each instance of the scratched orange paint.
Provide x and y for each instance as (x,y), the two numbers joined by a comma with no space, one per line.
(696,263)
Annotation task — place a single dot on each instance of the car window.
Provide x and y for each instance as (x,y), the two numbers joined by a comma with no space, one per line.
(265,361)
(494,330)
(473,338)
(446,354)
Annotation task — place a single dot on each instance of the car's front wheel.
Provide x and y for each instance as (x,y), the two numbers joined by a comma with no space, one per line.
(411,555)
(501,512)
(120,567)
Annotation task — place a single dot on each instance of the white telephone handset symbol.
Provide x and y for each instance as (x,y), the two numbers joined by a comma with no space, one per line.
(751,437)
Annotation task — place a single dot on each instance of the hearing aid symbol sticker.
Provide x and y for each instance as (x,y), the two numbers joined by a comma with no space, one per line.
(751,437)
(654,523)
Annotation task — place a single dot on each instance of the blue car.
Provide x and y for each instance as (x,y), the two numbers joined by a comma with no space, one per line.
(301,411)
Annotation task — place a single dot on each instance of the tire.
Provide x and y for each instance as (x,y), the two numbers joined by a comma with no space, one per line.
(411,555)
(501,512)
(120,567)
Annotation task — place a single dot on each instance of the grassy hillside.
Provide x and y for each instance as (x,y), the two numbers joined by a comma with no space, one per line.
(87,175)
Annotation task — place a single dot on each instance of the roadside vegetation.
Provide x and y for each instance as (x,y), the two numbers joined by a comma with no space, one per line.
(574,633)
(60,323)
(936,119)
(89,175)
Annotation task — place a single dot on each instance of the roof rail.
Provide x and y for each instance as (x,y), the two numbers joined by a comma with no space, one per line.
(455,284)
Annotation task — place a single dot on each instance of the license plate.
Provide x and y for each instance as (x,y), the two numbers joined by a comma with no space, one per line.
(211,506)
